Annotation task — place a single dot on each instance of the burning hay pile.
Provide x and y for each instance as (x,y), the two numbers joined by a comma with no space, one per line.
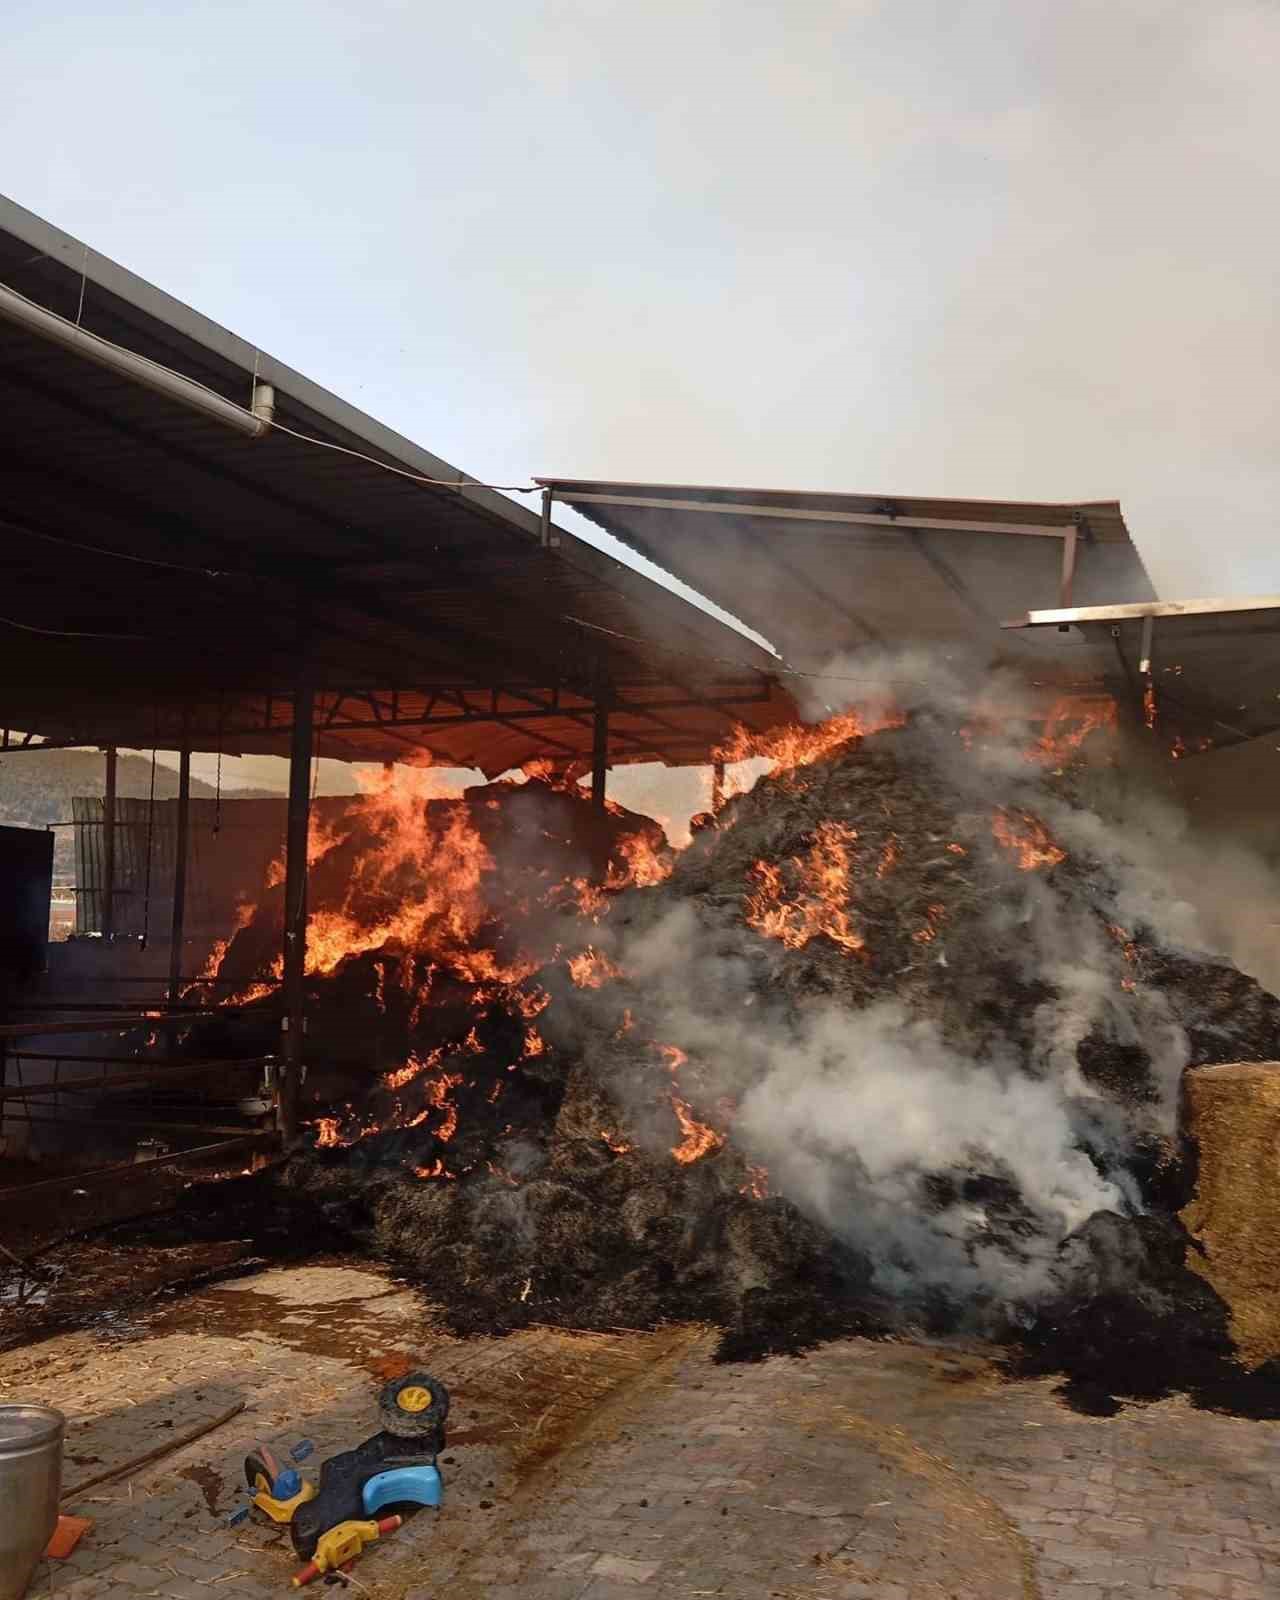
(897,1043)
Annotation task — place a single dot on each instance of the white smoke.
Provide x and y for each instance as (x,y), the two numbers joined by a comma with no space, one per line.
(882,1093)
(870,1120)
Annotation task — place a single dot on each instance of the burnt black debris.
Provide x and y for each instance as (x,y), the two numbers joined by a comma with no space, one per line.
(591,1178)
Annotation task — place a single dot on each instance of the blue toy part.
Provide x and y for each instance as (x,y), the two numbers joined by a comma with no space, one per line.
(419,1486)
(302,1449)
(286,1485)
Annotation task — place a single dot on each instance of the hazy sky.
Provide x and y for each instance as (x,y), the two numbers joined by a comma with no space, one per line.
(1024,248)
(1006,248)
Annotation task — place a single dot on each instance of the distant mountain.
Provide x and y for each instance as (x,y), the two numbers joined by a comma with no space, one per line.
(37,788)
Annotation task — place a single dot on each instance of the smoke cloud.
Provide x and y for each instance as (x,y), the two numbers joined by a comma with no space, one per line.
(957,1159)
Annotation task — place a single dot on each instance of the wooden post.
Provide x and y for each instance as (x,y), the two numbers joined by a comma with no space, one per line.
(717,786)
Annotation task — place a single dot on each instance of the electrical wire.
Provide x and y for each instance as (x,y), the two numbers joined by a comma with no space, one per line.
(279,427)
(71,633)
(781,670)
(403,472)
(115,555)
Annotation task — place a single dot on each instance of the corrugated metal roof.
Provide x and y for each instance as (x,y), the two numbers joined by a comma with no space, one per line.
(154,564)
(823,575)
(1213,664)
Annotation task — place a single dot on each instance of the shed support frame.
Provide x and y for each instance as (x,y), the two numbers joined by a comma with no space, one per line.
(294,1021)
(177,932)
(108,918)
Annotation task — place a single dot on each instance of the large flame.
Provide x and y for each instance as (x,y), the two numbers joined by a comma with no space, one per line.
(592,969)
(699,1139)
(799,744)
(819,901)
(641,866)
(1027,837)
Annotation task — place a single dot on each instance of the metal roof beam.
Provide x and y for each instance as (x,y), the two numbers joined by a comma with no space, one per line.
(1146,608)
(865,519)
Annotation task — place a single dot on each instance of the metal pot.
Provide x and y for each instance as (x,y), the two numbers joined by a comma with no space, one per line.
(30,1484)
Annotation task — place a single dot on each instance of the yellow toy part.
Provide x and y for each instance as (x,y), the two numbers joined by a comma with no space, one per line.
(282,1510)
(415,1398)
(340,1545)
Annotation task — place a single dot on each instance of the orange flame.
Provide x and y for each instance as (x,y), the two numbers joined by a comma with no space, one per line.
(934,915)
(673,1055)
(591,969)
(699,1140)
(327,1136)
(581,895)
(1028,837)
(889,856)
(642,866)
(820,906)
(244,916)
(800,744)
(437,1169)
(413,1068)
(1070,721)
(757,1184)
(1122,937)
(444,914)
(530,1003)
(615,1141)
(438,1092)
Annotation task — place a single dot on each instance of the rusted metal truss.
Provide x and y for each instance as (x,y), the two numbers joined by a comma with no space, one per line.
(359,709)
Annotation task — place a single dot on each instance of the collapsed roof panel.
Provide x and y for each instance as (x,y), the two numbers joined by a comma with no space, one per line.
(821,575)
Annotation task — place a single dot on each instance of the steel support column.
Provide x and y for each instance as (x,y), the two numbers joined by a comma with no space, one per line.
(295,906)
(599,755)
(107,920)
(178,927)
(1066,582)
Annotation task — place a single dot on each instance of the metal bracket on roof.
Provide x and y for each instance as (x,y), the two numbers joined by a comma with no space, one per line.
(1068,575)
(548,533)
(1144,649)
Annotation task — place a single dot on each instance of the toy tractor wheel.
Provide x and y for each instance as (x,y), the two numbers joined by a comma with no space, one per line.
(261,1469)
(413,1406)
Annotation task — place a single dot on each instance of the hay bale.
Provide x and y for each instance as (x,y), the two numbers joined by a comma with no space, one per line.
(1233,1114)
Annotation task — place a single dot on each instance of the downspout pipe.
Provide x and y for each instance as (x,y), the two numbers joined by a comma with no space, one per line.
(150,374)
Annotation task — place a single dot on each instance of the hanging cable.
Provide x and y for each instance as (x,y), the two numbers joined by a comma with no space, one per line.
(70,633)
(403,472)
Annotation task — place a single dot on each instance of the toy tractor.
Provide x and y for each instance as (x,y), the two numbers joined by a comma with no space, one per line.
(331,1521)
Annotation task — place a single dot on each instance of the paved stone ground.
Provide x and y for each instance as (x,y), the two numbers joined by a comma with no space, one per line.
(631,1466)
